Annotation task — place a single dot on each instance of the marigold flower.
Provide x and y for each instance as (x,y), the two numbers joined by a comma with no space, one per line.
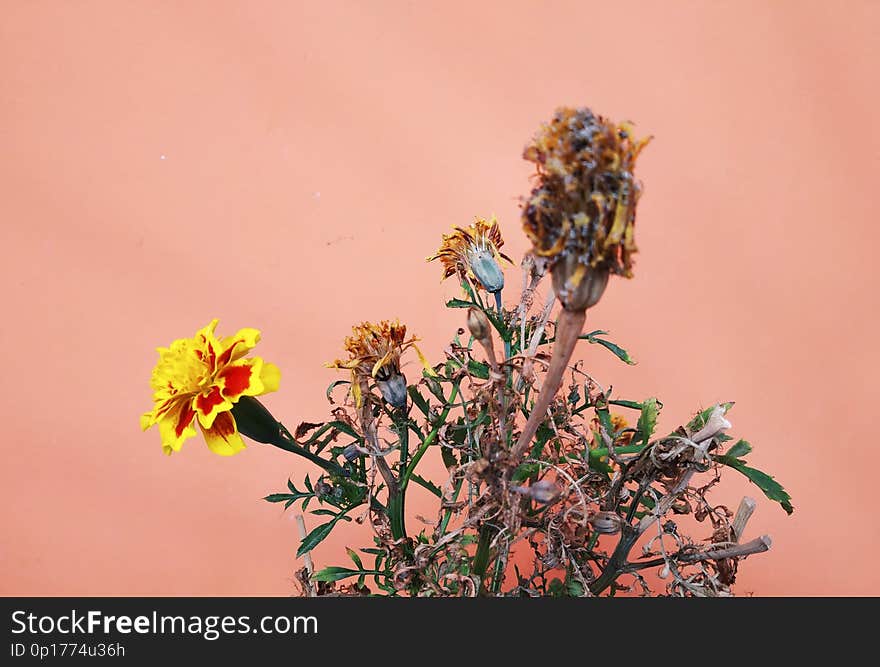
(474,252)
(374,352)
(581,215)
(200,379)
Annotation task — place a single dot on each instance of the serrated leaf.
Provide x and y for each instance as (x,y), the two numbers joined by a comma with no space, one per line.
(771,488)
(648,419)
(741,448)
(418,400)
(478,369)
(435,388)
(315,537)
(430,486)
(333,573)
(448,456)
(460,303)
(702,417)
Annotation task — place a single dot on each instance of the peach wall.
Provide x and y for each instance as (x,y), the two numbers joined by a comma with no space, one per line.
(289,165)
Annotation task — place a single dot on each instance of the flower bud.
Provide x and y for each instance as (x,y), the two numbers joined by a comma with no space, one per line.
(394,389)
(478,324)
(485,267)
(577,285)
(255,421)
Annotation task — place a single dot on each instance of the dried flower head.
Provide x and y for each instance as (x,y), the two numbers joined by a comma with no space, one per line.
(374,351)
(581,214)
(474,252)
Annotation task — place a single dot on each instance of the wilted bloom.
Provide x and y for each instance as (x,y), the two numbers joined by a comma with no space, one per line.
(200,380)
(474,252)
(374,352)
(581,214)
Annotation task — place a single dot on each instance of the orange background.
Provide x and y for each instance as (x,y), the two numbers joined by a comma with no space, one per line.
(289,165)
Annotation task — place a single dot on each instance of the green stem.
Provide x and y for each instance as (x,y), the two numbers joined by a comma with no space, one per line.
(617,563)
(500,308)
(597,454)
(288,444)
(428,441)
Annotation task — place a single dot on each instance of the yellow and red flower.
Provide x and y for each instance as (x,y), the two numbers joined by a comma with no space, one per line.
(198,381)
(374,351)
(474,252)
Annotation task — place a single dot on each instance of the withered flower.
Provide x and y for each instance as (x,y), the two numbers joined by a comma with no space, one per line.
(581,215)
(374,352)
(474,252)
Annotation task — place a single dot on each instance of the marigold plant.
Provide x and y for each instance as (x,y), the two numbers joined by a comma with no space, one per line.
(554,486)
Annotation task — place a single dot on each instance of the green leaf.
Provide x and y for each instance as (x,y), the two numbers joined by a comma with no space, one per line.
(418,400)
(618,351)
(478,369)
(433,488)
(315,537)
(448,456)
(633,405)
(435,388)
(333,573)
(278,497)
(702,417)
(648,419)
(323,512)
(354,557)
(333,386)
(460,303)
(345,428)
(741,448)
(524,471)
(771,488)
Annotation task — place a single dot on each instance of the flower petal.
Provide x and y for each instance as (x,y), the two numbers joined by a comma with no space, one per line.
(176,426)
(235,347)
(424,361)
(223,437)
(240,378)
(270,375)
(210,403)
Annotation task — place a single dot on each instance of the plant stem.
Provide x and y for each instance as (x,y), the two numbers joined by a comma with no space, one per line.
(481,557)
(288,444)
(402,426)
(444,523)
(568,329)
(420,452)
(500,308)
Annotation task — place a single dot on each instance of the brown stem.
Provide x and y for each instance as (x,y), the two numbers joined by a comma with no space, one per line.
(568,328)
